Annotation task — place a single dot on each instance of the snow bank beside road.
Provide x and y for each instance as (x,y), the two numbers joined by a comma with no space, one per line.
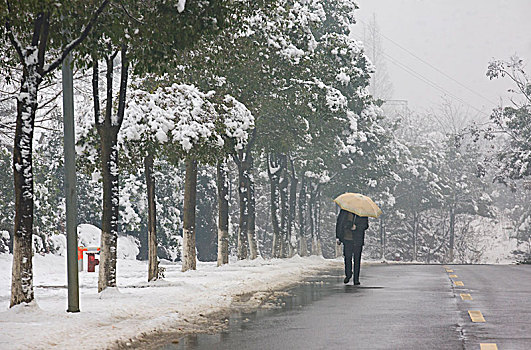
(137,306)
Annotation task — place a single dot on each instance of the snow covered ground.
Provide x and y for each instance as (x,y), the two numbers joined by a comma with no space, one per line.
(135,307)
(494,238)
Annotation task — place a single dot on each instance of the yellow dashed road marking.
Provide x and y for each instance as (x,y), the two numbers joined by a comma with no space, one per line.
(476,316)
(488,346)
(449,270)
(453,276)
(459,283)
(465,296)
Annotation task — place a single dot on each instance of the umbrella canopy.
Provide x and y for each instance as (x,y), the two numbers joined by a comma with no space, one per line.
(358,204)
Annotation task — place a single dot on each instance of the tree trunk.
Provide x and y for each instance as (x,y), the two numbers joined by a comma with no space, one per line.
(382,237)
(292,211)
(284,212)
(273,170)
(311,220)
(244,208)
(277,240)
(153,269)
(452,234)
(108,131)
(109,221)
(223,213)
(415,234)
(314,212)
(251,223)
(22,268)
(243,160)
(303,246)
(190,187)
(319,247)
(339,251)
(318,222)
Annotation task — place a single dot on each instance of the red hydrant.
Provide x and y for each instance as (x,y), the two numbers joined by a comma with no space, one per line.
(92,262)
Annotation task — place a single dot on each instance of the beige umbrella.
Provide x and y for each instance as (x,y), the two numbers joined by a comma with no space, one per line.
(358,204)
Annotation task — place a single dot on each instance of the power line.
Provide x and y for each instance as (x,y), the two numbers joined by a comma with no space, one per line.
(428,81)
(431,83)
(433,67)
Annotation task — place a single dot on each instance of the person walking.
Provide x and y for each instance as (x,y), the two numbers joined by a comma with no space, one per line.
(350,230)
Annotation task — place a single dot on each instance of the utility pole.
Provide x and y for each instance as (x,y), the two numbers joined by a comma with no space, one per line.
(382,237)
(70,186)
(374,38)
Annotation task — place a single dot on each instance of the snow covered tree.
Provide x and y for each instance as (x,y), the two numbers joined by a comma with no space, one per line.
(296,69)
(437,192)
(362,152)
(150,37)
(463,191)
(238,121)
(234,66)
(107,126)
(512,123)
(513,120)
(417,187)
(319,73)
(461,188)
(186,124)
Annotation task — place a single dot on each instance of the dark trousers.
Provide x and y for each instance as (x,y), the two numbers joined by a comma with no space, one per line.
(349,251)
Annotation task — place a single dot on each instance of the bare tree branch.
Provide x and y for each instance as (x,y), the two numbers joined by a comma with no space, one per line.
(52,99)
(43,40)
(95,91)
(13,39)
(77,41)
(123,85)
(129,14)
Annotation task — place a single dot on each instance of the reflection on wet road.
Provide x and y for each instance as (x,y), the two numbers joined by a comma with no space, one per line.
(292,302)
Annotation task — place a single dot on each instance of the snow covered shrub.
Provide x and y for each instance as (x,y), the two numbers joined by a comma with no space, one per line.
(5,241)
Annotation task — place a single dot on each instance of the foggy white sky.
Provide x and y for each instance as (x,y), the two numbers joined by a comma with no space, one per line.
(459,37)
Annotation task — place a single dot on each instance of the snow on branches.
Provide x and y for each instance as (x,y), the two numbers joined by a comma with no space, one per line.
(185,116)
(513,120)
(178,113)
(288,27)
(238,121)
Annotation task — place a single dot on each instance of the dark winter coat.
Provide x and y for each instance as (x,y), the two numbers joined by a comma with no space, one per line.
(344,231)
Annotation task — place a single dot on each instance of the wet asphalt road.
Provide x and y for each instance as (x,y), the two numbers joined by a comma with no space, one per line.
(396,307)
(503,295)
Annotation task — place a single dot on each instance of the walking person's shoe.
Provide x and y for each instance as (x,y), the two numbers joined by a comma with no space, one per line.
(357,283)
(346,280)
